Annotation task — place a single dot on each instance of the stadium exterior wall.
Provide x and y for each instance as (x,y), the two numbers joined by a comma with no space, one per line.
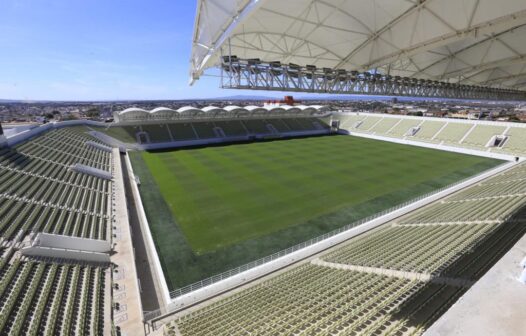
(232,280)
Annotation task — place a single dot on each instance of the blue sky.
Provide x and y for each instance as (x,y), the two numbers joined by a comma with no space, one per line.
(99,50)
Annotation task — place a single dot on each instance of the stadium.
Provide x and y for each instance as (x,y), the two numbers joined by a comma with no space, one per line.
(284,219)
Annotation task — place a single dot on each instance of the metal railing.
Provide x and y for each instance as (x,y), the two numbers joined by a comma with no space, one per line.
(222,276)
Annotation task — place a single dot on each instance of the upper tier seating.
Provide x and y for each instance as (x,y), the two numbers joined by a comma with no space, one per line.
(122,133)
(38,191)
(423,249)
(257,126)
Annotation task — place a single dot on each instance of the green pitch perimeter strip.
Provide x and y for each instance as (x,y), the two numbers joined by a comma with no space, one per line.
(215,208)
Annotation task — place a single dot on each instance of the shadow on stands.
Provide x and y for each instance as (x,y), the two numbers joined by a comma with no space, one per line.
(10,157)
(426,305)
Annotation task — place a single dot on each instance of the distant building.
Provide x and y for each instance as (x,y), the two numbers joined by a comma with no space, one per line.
(287,100)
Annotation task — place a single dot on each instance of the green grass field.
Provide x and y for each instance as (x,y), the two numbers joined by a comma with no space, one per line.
(211,209)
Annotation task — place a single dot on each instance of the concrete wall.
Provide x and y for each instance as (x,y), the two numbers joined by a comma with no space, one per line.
(50,252)
(150,245)
(72,243)
(10,131)
(80,168)
(99,146)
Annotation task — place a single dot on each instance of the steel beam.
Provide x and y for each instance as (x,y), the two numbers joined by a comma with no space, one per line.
(253,74)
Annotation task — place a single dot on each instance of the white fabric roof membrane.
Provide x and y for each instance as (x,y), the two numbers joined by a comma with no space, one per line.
(477,42)
(210,108)
(162,109)
(231,109)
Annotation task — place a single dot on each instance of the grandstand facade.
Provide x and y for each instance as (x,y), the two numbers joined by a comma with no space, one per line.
(217,113)
(482,136)
(187,126)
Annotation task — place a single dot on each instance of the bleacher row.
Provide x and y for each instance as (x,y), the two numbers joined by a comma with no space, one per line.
(38,191)
(65,147)
(309,300)
(167,132)
(341,297)
(473,210)
(48,298)
(447,132)
(442,243)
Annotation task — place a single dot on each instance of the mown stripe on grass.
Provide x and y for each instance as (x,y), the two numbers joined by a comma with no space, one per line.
(236,203)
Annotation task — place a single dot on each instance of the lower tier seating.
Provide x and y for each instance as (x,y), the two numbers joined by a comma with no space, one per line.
(424,249)
(309,300)
(47,298)
(451,132)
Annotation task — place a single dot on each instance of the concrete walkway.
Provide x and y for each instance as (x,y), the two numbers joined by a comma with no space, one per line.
(424,277)
(493,306)
(151,289)
(129,316)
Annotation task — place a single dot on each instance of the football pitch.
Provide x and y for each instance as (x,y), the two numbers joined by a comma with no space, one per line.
(214,208)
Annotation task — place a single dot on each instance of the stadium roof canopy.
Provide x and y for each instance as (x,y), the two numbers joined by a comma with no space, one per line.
(134,114)
(475,42)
